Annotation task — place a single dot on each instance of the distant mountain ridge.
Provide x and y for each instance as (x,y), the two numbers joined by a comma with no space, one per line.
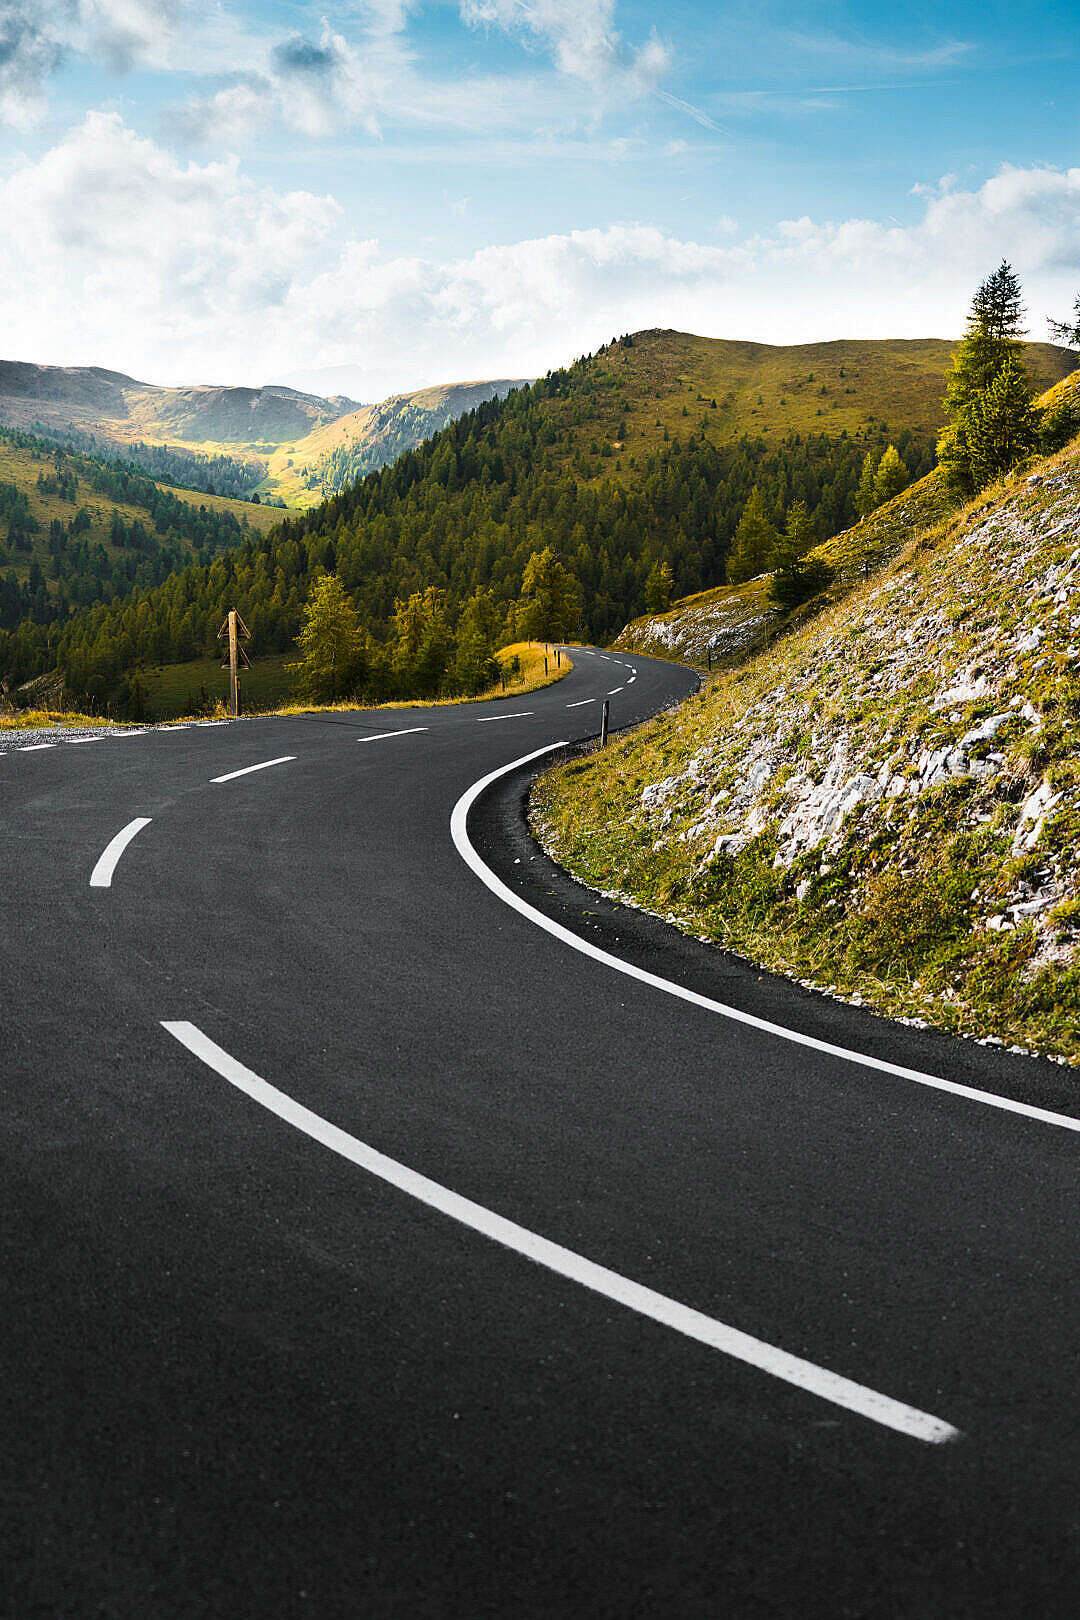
(307,446)
(123,409)
(334,456)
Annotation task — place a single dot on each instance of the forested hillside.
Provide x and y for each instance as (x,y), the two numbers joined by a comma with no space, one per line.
(603,464)
(75,530)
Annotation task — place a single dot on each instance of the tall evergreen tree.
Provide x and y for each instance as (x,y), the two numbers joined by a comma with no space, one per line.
(993,337)
(1002,426)
(865,495)
(796,577)
(754,543)
(550,603)
(330,642)
(891,477)
(990,347)
(659,586)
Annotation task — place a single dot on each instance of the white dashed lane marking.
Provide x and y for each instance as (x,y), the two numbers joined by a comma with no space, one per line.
(406,731)
(230,776)
(102,875)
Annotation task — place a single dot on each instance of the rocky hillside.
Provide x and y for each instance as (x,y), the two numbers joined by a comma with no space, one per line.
(886,802)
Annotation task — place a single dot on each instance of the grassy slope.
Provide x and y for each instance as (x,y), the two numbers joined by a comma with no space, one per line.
(21,468)
(839,810)
(898,381)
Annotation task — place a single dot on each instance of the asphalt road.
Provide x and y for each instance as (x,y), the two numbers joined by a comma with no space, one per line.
(250,1368)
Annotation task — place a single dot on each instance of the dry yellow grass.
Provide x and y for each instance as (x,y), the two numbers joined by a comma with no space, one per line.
(531,677)
(41,719)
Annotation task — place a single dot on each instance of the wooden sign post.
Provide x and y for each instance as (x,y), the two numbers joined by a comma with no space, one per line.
(233,628)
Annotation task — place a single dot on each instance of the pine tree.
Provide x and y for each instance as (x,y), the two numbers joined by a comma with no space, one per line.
(1002,426)
(550,603)
(991,345)
(865,495)
(993,338)
(754,543)
(796,577)
(658,587)
(891,477)
(330,642)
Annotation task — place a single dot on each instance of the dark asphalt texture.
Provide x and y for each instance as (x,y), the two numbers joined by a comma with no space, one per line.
(241,1377)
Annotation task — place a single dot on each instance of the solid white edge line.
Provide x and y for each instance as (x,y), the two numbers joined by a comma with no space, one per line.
(102,875)
(406,731)
(459,833)
(231,776)
(693,1324)
(522,714)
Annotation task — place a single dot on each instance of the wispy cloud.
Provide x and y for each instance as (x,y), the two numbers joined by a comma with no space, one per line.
(691,111)
(879,58)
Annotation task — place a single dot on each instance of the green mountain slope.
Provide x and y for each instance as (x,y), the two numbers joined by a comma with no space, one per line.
(886,802)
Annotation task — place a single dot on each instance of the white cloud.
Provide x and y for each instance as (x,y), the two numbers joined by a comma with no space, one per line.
(314,86)
(128,258)
(580,34)
(37,35)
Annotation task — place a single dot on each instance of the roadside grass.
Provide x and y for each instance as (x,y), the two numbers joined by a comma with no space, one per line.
(43,719)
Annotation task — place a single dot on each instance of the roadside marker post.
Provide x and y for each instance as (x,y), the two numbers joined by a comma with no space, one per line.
(233,628)
(603,724)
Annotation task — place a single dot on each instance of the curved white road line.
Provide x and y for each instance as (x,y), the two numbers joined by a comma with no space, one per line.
(460,835)
(102,875)
(634,1296)
(231,776)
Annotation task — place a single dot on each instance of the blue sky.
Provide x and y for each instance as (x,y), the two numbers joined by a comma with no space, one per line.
(380,194)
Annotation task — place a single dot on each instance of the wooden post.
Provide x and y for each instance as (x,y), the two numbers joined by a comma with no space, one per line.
(708,652)
(234,670)
(234,628)
(558,658)
(603,724)
(545,664)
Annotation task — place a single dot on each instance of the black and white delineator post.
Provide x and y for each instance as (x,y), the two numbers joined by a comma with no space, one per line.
(603,724)
(233,628)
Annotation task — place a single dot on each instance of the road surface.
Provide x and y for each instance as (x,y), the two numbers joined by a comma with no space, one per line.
(371,1250)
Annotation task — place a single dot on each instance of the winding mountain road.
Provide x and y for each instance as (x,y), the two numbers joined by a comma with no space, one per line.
(393,1228)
